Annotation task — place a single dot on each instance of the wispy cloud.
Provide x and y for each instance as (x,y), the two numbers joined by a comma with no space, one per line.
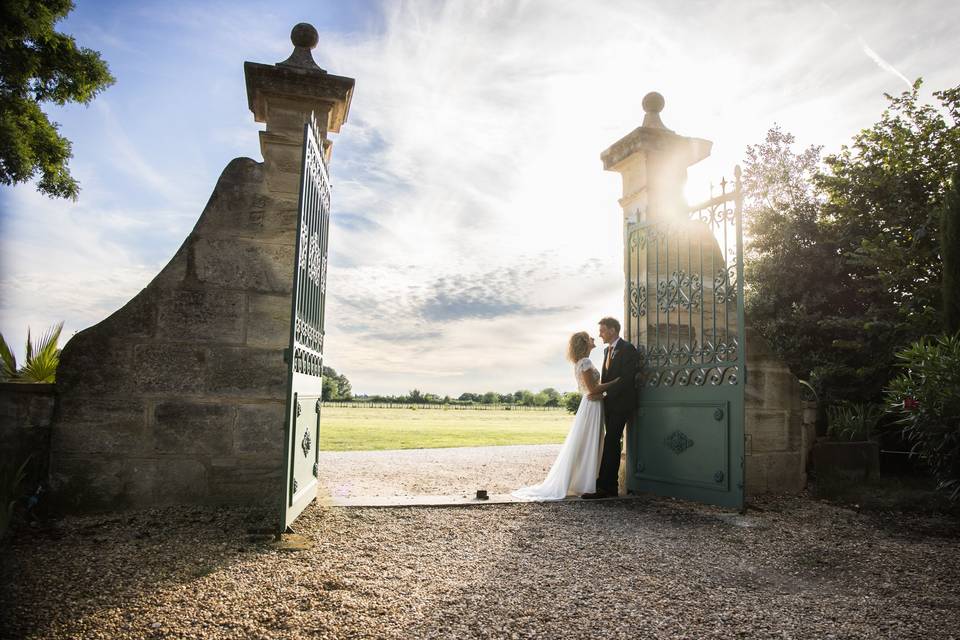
(866,48)
(883,64)
(473,227)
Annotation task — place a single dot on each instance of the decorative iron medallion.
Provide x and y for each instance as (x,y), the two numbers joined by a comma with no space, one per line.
(718,477)
(305,443)
(678,442)
(296,485)
(316,469)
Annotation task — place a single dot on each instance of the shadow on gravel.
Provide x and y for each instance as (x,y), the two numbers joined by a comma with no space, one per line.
(61,571)
(642,568)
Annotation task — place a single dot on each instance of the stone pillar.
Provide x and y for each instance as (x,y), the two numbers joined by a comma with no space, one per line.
(653,163)
(283,96)
(179,396)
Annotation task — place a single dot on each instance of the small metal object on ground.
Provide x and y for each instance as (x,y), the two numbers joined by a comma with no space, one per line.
(482,494)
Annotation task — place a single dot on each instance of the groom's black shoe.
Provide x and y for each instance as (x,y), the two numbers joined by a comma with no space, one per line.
(597,495)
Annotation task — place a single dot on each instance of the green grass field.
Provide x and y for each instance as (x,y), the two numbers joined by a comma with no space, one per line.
(362,429)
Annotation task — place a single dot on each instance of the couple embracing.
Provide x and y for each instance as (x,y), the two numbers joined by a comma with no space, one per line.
(589,461)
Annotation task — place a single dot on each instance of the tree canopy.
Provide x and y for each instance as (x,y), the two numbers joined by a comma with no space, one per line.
(844,259)
(39,65)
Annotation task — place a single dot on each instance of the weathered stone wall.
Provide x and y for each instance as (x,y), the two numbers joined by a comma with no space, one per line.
(179,395)
(778,429)
(26,412)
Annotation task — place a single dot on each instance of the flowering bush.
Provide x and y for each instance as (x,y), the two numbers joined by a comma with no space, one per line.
(926,397)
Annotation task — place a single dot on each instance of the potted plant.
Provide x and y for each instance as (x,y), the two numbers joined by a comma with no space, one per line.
(850,451)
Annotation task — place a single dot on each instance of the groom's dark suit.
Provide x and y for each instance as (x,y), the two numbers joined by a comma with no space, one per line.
(618,406)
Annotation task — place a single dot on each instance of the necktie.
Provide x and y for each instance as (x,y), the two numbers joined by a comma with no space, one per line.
(606,365)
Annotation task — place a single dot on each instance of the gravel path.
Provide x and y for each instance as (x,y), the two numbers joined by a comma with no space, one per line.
(645,568)
(417,472)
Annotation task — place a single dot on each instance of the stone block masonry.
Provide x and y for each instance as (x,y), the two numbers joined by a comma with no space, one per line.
(155,400)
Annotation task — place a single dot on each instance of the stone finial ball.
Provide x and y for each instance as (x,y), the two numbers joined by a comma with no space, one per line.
(653,102)
(304,35)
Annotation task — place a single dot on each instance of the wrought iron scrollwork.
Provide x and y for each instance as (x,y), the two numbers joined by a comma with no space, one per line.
(725,285)
(638,301)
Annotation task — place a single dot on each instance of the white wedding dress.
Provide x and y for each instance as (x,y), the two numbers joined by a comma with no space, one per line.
(574,472)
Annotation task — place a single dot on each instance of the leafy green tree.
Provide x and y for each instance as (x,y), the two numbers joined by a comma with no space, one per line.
(788,252)
(39,65)
(490,397)
(335,385)
(844,263)
(950,253)
(41,362)
(523,397)
(571,401)
(553,397)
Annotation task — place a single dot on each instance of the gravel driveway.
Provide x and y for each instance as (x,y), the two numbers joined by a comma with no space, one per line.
(643,568)
(373,477)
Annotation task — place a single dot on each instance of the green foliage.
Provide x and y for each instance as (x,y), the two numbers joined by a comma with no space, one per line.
(39,65)
(950,254)
(8,361)
(843,266)
(335,385)
(853,421)
(42,358)
(571,401)
(10,479)
(926,398)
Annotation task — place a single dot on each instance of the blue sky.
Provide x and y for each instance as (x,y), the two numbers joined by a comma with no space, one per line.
(474,228)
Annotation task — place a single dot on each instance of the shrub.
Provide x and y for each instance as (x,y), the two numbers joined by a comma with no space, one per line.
(926,398)
(572,401)
(853,421)
(11,477)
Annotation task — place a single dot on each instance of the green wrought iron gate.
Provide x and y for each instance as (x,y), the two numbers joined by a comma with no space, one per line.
(305,354)
(685,314)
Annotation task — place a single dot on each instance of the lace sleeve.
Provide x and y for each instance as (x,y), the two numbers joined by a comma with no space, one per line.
(585,368)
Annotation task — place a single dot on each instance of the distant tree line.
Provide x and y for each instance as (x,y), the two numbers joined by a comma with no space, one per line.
(337,388)
(548,397)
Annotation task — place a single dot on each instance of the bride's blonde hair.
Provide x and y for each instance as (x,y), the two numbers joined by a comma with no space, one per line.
(579,346)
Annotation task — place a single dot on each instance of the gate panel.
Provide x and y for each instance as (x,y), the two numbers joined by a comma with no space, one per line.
(305,355)
(685,314)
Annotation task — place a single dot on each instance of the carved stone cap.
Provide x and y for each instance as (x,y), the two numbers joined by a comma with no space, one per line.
(304,38)
(653,136)
(653,104)
(298,79)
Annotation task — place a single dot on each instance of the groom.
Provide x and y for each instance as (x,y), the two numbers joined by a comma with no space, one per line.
(620,360)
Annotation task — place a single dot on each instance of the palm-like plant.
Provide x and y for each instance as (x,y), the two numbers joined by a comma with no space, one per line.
(42,358)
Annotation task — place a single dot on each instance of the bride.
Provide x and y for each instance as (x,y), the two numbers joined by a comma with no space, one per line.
(574,472)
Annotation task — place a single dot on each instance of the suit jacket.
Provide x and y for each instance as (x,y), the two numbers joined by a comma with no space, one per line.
(621,397)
